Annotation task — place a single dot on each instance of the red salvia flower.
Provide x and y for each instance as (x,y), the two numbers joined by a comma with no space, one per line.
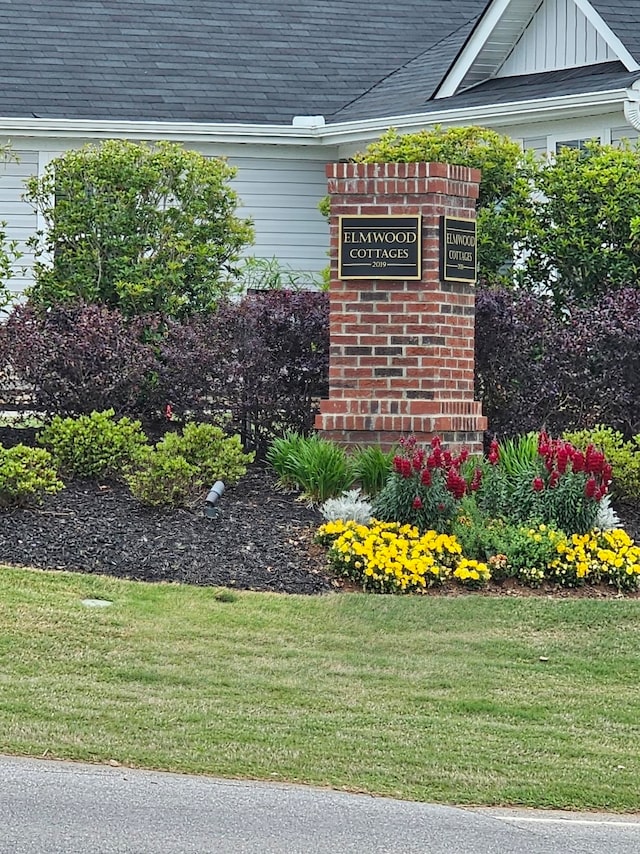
(417,503)
(538,484)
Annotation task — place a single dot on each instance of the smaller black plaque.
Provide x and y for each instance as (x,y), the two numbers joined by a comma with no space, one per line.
(380,247)
(458,250)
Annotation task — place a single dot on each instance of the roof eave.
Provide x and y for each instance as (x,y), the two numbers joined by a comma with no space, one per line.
(489,115)
(194,132)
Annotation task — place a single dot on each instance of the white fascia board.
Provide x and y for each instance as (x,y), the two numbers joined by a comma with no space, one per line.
(472,48)
(194,132)
(511,113)
(487,115)
(607,34)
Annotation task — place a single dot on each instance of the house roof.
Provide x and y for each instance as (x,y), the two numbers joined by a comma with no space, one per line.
(623,16)
(212,61)
(262,63)
(527,87)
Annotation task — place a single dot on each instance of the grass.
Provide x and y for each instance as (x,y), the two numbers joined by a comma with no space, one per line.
(467,699)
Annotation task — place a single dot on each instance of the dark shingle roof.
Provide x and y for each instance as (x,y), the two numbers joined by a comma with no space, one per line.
(239,61)
(407,89)
(623,17)
(568,81)
(256,62)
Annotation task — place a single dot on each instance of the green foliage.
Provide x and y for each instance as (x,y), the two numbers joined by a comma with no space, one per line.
(560,487)
(174,472)
(136,227)
(580,232)
(282,456)
(26,475)
(372,467)
(93,445)
(480,536)
(504,187)
(270,274)
(215,455)
(317,466)
(164,480)
(624,457)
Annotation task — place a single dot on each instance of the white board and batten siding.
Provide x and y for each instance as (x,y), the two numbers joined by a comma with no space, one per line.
(20,218)
(558,36)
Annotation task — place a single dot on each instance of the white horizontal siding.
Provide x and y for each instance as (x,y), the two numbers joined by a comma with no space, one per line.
(281,196)
(558,36)
(20,218)
(628,133)
(537,144)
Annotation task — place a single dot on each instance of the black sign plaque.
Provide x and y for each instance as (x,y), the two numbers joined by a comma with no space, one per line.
(380,247)
(458,250)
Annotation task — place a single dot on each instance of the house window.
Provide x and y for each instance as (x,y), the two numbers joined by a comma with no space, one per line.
(580,144)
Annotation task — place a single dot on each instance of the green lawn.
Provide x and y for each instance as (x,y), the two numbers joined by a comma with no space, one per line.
(433,698)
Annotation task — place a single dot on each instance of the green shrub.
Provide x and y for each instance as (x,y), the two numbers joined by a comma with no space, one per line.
(624,457)
(93,445)
(174,473)
(317,466)
(163,479)
(215,455)
(26,475)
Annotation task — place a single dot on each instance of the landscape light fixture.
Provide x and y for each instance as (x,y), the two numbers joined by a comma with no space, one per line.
(212,499)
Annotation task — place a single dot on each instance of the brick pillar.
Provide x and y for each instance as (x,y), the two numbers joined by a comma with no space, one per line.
(401,352)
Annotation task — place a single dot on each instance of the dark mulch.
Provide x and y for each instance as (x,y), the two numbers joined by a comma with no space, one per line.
(261,538)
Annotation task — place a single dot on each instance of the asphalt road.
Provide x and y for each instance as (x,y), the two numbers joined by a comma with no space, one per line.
(49,807)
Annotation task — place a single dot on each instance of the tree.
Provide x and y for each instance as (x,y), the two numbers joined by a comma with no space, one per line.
(504,184)
(136,227)
(579,236)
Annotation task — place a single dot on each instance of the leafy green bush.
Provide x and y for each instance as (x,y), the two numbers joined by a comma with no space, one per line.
(215,455)
(317,466)
(504,187)
(136,227)
(174,472)
(164,480)
(624,457)
(93,445)
(26,475)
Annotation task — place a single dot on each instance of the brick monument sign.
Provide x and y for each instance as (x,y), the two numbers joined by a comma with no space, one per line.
(403,269)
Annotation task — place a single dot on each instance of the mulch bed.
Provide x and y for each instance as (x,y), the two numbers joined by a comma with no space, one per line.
(260,539)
